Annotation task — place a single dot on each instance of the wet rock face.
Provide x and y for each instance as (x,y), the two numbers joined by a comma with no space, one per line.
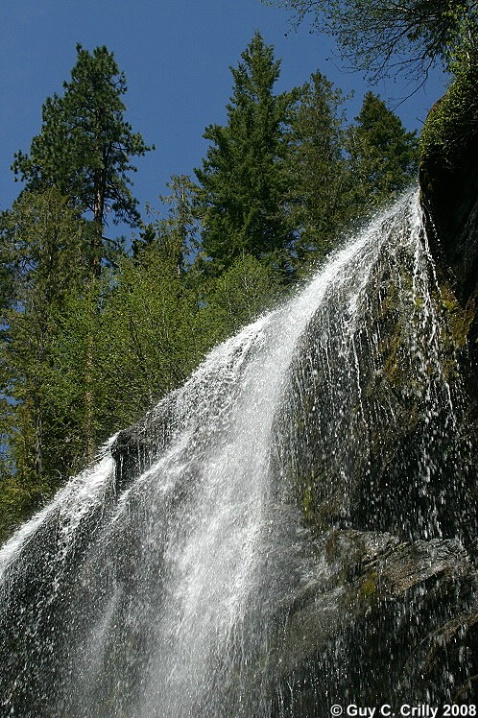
(394,510)
(134,448)
(377,445)
(449,189)
(400,628)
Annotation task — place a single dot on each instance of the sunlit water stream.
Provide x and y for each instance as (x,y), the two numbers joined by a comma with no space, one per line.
(160,599)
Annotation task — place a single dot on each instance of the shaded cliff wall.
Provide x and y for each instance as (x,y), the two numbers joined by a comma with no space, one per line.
(381,612)
(449,194)
(449,190)
(396,619)
(383,605)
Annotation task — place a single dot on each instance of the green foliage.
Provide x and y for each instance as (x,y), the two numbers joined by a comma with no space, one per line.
(243,178)
(380,37)
(178,230)
(6,281)
(317,168)
(241,293)
(85,145)
(42,247)
(382,157)
(150,337)
(90,336)
(84,151)
(452,121)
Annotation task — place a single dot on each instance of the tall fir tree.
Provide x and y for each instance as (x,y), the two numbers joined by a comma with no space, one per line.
(317,168)
(85,146)
(85,149)
(244,177)
(42,246)
(382,156)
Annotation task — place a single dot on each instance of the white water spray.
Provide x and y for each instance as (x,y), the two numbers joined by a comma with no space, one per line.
(157,603)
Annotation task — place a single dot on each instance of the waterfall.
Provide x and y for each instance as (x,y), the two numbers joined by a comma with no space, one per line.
(171,594)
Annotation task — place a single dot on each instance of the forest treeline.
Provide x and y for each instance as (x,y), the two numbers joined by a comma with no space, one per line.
(95,329)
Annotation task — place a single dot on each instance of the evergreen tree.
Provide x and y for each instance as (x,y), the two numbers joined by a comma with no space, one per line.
(85,146)
(382,156)
(42,246)
(317,168)
(85,150)
(244,178)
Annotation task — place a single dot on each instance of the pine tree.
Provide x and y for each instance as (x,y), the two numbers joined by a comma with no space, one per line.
(382,156)
(42,246)
(85,146)
(317,168)
(244,178)
(85,149)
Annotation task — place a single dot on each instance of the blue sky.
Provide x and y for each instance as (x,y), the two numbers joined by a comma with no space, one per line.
(176,56)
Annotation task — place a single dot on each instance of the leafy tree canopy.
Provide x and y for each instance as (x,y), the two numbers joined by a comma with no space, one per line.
(380,37)
(176,228)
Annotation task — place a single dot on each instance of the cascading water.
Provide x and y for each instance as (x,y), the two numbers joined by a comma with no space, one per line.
(175,593)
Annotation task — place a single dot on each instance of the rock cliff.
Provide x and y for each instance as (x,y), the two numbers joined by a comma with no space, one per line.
(383,606)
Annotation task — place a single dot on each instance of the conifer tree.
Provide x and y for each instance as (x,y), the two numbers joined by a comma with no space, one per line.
(243,178)
(317,167)
(85,146)
(382,156)
(42,242)
(85,149)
